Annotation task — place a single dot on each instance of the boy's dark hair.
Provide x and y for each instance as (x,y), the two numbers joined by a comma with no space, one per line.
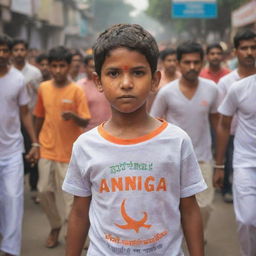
(6,40)
(130,36)
(87,58)
(243,35)
(41,57)
(212,46)
(20,41)
(59,53)
(166,52)
(189,47)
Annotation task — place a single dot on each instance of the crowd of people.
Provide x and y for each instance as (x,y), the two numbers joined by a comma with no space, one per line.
(78,125)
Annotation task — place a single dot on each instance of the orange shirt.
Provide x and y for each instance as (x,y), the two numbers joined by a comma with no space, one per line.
(57,135)
(214,76)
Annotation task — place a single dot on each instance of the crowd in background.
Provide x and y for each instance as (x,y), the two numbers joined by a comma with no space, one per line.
(57,88)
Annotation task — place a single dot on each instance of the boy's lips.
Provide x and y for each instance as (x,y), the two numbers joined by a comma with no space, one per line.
(126,97)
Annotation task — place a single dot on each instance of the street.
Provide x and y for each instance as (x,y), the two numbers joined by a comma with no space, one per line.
(221,234)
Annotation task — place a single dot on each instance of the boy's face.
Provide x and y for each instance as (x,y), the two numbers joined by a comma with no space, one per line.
(190,66)
(126,80)
(19,53)
(246,52)
(59,71)
(43,65)
(4,55)
(89,68)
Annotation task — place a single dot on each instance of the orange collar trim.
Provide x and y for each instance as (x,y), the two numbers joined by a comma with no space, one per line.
(143,138)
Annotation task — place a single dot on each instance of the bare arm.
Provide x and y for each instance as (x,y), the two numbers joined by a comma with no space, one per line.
(78,226)
(223,131)
(192,225)
(38,125)
(214,121)
(26,119)
(68,115)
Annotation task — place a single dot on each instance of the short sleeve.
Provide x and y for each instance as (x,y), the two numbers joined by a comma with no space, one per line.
(192,181)
(23,97)
(77,180)
(159,106)
(39,110)
(82,104)
(229,105)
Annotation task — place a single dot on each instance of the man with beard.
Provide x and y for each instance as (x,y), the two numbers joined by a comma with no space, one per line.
(214,71)
(190,102)
(14,101)
(244,44)
(33,78)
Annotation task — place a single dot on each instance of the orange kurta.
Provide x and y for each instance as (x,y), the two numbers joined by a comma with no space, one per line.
(58,135)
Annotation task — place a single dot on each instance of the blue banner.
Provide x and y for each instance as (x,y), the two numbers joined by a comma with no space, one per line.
(194,9)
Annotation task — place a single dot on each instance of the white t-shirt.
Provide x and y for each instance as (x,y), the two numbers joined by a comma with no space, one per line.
(136,186)
(33,78)
(13,94)
(241,100)
(192,115)
(223,87)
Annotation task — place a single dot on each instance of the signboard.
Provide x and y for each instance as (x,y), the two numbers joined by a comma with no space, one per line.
(184,9)
(22,6)
(244,15)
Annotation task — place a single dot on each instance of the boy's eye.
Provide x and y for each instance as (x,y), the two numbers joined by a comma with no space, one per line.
(113,73)
(138,72)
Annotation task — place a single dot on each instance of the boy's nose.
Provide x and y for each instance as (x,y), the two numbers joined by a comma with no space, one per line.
(126,82)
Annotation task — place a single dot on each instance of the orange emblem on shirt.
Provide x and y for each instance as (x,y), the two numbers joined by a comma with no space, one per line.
(131,223)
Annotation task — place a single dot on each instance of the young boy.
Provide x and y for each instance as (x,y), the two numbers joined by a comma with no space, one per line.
(61,113)
(138,200)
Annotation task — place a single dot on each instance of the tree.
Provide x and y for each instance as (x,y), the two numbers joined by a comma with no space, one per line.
(161,10)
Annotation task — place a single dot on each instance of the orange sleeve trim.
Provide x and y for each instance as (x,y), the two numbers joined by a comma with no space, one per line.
(143,138)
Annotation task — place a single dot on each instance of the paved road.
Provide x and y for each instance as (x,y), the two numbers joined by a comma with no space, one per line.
(221,233)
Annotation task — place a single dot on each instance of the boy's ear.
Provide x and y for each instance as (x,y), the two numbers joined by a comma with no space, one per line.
(96,79)
(155,81)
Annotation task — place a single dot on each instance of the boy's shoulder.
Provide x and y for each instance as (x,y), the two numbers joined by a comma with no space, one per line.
(171,132)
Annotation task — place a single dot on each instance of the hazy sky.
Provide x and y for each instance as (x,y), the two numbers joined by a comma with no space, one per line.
(140,5)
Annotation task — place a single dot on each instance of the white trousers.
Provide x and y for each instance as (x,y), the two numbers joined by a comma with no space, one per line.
(205,198)
(11,203)
(244,193)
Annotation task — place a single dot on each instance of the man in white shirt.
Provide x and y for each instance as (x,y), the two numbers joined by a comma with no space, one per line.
(14,101)
(245,50)
(240,100)
(33,77)
(190,102)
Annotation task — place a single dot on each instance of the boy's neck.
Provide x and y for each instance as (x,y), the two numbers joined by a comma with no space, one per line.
(131,125)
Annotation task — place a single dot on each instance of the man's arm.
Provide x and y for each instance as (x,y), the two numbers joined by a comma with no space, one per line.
(26,119)
(38,125)
(223,132)
(78,226)
(214,117)
(68,115)
(192,225)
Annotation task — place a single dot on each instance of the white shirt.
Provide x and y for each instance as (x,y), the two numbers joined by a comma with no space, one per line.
(192,115)
(13,94)
(224,85)
(136,186)
(33,78)
(241,100)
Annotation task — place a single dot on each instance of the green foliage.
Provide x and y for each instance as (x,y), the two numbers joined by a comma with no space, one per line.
(161,11)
